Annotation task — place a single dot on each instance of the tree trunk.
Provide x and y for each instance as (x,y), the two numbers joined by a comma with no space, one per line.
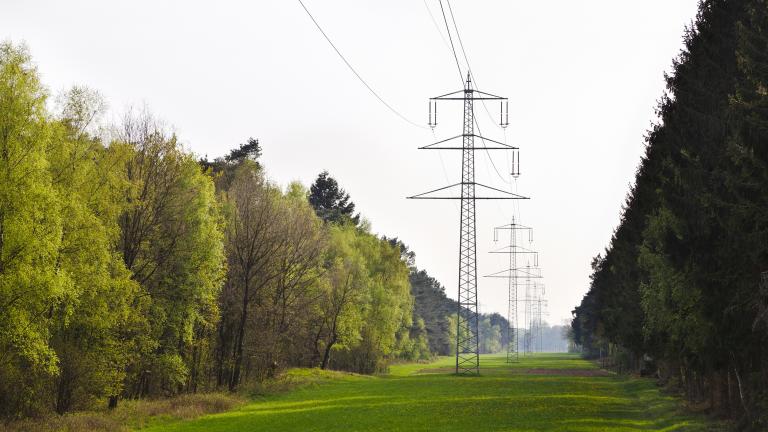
(741,391)
(221,354)
(238,357)
(327,355)
(742,398)
(63,395)
(316,347)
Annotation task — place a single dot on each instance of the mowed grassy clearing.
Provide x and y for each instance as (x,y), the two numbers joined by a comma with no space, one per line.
(546,392)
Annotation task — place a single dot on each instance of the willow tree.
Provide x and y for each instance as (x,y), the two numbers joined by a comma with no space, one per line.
(93,323)
(369,308)
(31,283)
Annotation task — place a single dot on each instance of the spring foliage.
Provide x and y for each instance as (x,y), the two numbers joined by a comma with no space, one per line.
(131,269)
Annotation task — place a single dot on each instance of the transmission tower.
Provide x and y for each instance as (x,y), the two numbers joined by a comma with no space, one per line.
(467,337)
(513,274)
(535,304)
(529,274)
(538,303)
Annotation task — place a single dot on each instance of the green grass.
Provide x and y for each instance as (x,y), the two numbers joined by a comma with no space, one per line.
(423,397)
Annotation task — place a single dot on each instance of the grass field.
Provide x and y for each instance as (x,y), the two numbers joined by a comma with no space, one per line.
(548,392)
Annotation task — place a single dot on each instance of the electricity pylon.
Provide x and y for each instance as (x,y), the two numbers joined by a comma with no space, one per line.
(534,310)
(512,275)
(538,303)
(467,337)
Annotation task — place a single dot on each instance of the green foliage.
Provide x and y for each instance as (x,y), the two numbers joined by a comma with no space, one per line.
(691,245)
(331,203)
(490,336)
(433,307)
(171,241)
(251,150)
(131,269)
(103,302)
(30,233)
(369,316)
(224,167)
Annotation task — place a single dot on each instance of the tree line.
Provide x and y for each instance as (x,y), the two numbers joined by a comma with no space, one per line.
(131,268)
(681,291)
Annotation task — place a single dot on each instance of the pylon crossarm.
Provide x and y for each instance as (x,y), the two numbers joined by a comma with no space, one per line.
(422,195)
(513,226)
(508,274)
(513,250)
(490,96)
(465,98)
(487,96)
(484,95)
(502,191)
(506,195)
(447,94)
(434,146)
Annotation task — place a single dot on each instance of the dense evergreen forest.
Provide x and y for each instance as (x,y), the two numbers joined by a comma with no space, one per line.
(131,268)
(681,292)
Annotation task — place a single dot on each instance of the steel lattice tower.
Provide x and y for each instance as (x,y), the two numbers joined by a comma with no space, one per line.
(528,343)
(535,304)
(512,324)
(539,303)
(467,342)
(513,274)
(467,337)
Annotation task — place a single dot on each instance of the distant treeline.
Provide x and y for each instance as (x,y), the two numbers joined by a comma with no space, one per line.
(682,290)
(130,268)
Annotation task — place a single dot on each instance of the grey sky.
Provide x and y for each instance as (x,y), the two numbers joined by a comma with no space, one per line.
(583,78)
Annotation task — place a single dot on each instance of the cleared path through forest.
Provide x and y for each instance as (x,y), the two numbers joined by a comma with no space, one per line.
(545,392)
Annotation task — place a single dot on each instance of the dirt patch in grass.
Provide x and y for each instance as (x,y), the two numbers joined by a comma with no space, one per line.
(570,372)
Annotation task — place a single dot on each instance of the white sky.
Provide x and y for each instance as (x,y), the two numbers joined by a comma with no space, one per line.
(583,78)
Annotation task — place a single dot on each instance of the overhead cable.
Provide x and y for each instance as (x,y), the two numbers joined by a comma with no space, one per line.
(370,89)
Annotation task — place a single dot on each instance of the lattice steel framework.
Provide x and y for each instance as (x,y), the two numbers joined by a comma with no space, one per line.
(467,337)
(513,274)
(534,310)
(468,340)
(537,305)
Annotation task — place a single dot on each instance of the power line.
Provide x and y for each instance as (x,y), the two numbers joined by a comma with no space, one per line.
(489,154)
(461,75)
(445,43)
(437,27)
(458,36)
(466,59)
(373,92)
(453,48)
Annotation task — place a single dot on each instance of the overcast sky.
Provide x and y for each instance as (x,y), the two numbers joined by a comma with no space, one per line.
(583,78)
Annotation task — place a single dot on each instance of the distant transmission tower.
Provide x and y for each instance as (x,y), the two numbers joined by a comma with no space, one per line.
(513,274)
(467,336)
(538,303)
(530,314)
